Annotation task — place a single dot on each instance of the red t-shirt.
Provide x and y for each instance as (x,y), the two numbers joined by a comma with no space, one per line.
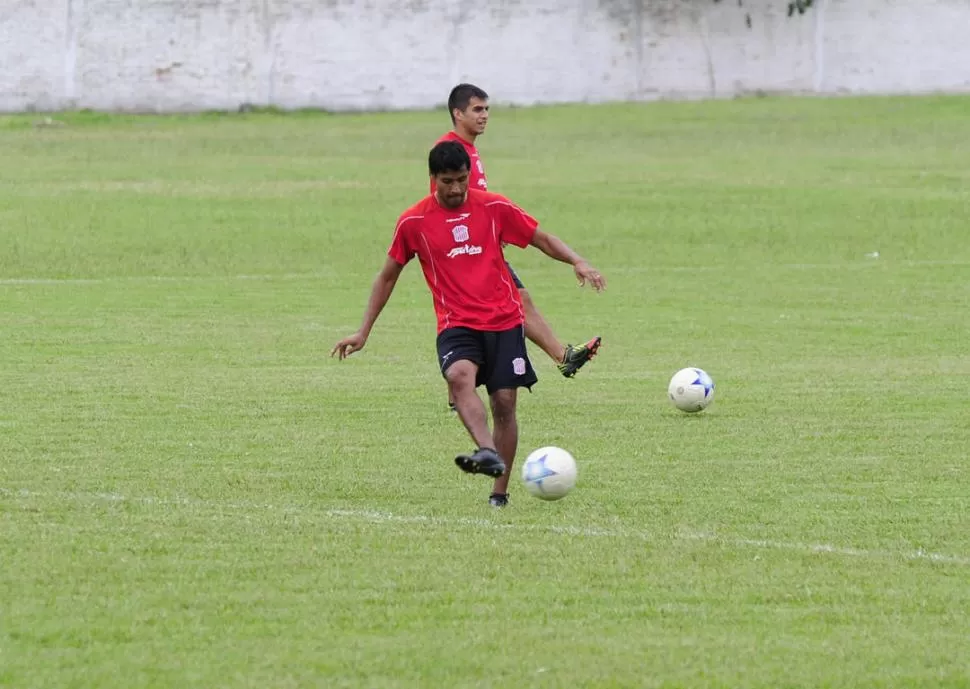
(461,255)
(476,176)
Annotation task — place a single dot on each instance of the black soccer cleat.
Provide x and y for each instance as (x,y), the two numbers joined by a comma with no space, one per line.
(484,460)
(498,499)
(576,357)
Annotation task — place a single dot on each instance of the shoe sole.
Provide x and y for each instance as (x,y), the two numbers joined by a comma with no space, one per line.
(471,466)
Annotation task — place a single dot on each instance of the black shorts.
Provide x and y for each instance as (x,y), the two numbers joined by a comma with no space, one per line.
(502,360)
(515,278)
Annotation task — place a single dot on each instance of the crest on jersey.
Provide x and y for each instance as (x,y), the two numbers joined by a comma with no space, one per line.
(460,233)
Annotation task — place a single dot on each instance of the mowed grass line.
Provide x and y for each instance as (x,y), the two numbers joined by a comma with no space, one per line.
(192,494)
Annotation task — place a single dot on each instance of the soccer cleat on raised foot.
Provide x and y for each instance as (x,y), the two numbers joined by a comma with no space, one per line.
(484,460)
(576,357)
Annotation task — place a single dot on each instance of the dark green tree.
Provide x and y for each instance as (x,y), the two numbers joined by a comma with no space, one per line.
(793,6)
(798,6)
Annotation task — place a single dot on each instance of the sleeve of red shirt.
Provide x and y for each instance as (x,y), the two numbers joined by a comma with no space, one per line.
(515,225)
(401,249)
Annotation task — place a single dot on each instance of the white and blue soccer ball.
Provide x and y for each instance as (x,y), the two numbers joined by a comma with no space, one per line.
(549,473)
(691,390)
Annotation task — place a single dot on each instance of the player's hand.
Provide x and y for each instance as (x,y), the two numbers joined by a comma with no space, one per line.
(587,273)
(348,346)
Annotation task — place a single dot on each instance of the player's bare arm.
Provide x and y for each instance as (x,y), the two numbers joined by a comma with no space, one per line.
(552,246)
(379,294)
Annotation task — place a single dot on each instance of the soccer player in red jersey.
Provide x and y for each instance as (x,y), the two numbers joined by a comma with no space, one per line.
(458,235)
(468,106)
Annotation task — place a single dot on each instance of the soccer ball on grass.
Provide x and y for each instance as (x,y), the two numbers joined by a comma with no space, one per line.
(549,473)
(691,390)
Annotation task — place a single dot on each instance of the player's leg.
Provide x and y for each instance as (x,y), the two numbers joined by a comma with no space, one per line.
(461,355)
(508,368)
(460,377)
(506,434)
(538,329)
(569,358)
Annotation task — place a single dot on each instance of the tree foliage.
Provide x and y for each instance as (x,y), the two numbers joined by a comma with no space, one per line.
(793,6)
(798,6)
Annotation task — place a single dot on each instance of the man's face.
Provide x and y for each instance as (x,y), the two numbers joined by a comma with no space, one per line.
(474,118)
(452,187)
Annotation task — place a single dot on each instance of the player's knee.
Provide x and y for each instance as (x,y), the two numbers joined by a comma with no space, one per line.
(461,373)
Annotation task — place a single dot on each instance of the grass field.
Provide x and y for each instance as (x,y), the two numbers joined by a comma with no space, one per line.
(192,494)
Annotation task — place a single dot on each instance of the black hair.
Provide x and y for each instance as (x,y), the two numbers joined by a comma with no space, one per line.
(461,96)
(448,156)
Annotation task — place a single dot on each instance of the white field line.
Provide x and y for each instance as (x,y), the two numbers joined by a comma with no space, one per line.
(319,275)
(379,517)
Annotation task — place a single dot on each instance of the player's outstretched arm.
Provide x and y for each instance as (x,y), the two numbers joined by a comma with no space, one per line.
(379,294)
(552,246)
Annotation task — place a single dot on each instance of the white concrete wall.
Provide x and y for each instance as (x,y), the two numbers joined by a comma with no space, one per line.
(176,55)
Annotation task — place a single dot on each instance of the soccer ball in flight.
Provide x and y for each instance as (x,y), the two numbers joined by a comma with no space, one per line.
(691,390)
(549,473)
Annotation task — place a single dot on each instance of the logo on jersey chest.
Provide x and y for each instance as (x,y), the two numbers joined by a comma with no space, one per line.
(461,236)
(465,250)
(460,233)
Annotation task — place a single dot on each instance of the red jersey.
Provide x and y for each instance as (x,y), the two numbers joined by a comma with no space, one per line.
(461,255)
(476,176)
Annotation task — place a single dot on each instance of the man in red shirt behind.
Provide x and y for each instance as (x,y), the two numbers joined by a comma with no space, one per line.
(468,107)
(457,234)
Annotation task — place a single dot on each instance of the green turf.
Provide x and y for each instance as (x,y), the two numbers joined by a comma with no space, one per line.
(192,494)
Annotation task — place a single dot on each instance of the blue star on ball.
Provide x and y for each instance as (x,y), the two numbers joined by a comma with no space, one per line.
(537,470)
(704,381)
